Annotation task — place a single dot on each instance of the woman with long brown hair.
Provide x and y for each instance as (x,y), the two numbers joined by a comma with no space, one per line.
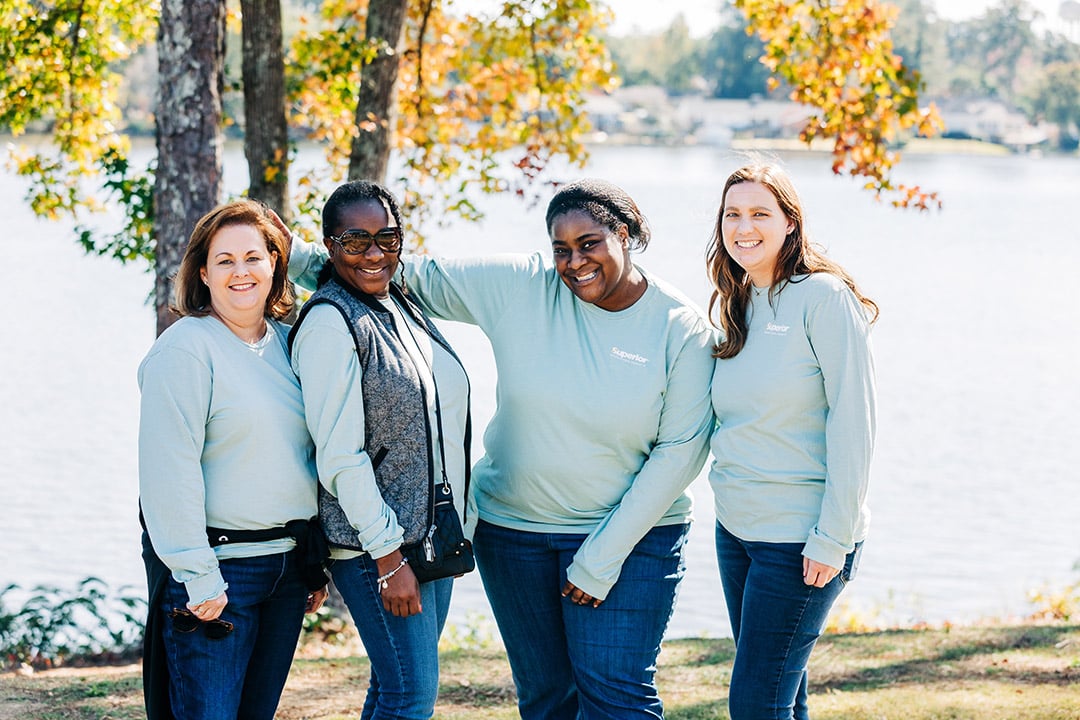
(793,394)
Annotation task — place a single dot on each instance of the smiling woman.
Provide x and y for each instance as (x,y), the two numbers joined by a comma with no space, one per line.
(363,250)
(795,403)
(591,248)
(224,617)
(601,423)
(239,272)
(387,403)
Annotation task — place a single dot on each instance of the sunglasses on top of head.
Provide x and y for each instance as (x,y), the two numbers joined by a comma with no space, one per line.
(358,242)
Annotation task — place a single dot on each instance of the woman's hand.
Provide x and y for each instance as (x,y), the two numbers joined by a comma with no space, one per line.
(400,592)
(316,599)
(817,574)
(579,596)
(209,609)
(280,225)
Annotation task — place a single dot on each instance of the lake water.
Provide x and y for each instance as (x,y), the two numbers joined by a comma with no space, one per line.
(976,482)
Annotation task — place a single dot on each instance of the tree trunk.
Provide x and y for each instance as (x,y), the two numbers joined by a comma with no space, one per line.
(265,126)
(376,103)
(191,63)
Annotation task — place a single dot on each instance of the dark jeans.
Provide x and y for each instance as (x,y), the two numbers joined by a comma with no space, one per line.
(404,651)
(239,676)
(776,619)
(573,662)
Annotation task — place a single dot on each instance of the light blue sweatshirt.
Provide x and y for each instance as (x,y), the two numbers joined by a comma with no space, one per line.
(602,418)
(222,442)
(795,414)
(324,358)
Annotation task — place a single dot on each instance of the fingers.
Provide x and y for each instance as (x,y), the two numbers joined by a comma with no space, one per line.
(401,594)
(818,574)
(209,609)
(579,596)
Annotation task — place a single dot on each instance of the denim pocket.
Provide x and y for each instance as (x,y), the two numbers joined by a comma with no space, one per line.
(851,564)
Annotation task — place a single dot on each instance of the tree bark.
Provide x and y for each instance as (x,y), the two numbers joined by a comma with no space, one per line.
(266,138)
(191,63)
(376,107)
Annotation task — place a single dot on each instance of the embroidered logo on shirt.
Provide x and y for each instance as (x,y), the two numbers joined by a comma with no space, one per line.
(774,329)
(632,358)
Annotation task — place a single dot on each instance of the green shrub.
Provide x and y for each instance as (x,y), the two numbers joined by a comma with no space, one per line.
(54,625)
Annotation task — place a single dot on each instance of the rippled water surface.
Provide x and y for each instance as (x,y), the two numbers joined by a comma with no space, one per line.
(974,493)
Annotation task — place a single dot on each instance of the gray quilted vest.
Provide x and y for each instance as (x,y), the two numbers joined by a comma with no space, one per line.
(396,427)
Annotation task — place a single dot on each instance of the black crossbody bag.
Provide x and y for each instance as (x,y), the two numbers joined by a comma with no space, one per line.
(443,551)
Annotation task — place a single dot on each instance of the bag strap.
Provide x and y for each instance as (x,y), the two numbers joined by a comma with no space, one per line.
(446,490)
(424,322)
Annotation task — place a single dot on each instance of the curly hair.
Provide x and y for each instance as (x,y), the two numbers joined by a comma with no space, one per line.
(605,203)
(353,193)
(798,256)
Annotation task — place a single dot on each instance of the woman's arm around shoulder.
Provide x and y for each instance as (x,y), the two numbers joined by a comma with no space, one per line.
(475,290)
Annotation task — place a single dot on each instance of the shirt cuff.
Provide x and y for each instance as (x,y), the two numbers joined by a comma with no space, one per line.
(206,587)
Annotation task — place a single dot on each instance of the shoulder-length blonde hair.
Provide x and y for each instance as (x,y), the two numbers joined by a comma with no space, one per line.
(193,296)
(798,256)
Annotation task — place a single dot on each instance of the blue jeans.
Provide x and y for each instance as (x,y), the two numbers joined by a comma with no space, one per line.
(571,661)
(404,651)
(239,676)
(776,619)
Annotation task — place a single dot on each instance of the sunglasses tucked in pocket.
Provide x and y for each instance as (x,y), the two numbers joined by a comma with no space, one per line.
(184,622)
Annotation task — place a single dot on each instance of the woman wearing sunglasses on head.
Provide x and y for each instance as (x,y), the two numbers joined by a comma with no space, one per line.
(387,404)
(226,480)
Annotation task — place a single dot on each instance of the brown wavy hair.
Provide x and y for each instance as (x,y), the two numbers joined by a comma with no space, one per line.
(193,296)
(798,256)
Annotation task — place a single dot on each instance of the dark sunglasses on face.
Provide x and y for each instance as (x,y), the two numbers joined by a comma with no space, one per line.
(358,242)
(184,622)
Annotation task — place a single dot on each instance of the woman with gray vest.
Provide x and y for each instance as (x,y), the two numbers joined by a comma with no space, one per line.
(387,404)
(602,420)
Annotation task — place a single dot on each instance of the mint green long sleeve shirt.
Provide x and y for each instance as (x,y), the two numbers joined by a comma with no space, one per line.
(602,418)
(222,442)
(796,417)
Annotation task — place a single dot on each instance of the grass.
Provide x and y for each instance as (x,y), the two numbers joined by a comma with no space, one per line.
(1019,672)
